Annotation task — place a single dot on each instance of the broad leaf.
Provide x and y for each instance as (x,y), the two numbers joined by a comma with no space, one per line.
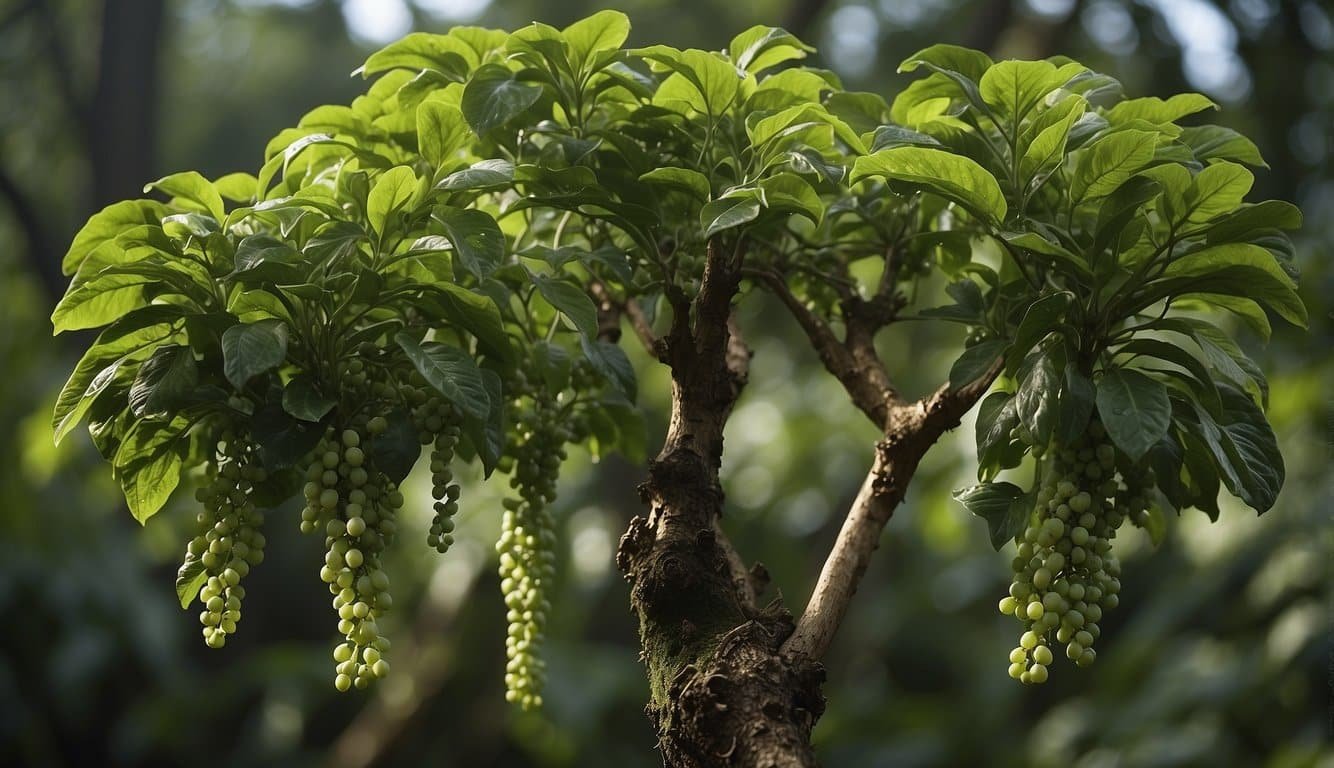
(1135,410)
(1004,506)
(451,371)
(249,349)
(954,177)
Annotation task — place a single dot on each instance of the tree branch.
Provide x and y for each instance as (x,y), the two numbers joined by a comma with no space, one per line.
(910,431)
(854,362)
(611,309)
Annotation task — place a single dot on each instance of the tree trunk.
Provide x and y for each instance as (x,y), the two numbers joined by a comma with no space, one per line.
(721,690)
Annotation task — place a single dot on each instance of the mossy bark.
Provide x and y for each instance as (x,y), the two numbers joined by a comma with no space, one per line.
(723,693)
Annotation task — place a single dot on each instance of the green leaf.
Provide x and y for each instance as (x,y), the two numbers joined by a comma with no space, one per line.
(760,48)
(191,190)
(1249,218)
(451,371)
(702,80)
(124,341)
(485,175)
(1154,110)
(106,225)
(1004,506)
(1222,353)
(1041,246)
(684,179)
(479,245)
(720,215)
(1118,209)
(1109,162)
(302,399)
(1135,410)
(1214,142)
(571,301)
(1074,406)
(966,61)
(443,53)
(1047,149)
(1041,318)
(954,177)
(1203,384)
(263,258)
(1037,399)
(395,450)
(493,97)
(148,466)
(789,193)
(167,376)
(1217,190)
(1244,449)
(890,136)
(441,132)
(394,190)
(282,440)
(609,360)
(975,361)
(474,313)
(997,417)
(603,31)
(101,300)
(1013,88)
(1238,269)
(190,578)
(249,349)
(488,435)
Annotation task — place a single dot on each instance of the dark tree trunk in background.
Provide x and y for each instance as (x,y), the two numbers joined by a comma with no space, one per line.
(122,134)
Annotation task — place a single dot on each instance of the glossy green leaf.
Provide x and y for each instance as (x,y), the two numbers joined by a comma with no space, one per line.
(1155,110)
(303,400)
(393,191)
(1244,448)
(484,175)
(1109,162)
(163,380)
(1214,142)
(720,215)
(610,361)
(760,48)
(106,225)
(249,349)
(1135,410)
(148,466)
(451,371)
(967,62)
(479,245)
(441,132)
(954,177)
(191,190)
(975,361)
(1041,318)
(571,301)
(684,179)
(1004,506)
(1238,269)
(603,31)
(493,97)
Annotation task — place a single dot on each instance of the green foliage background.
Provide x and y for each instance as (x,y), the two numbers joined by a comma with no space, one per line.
(1219,654)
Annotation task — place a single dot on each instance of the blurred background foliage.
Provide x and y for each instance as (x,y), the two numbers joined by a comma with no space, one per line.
(1219,655)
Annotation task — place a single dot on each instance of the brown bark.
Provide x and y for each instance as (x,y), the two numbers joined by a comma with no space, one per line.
(722,692)
(733,683)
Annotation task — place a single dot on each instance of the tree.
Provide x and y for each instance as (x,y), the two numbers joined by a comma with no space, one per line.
(446,265)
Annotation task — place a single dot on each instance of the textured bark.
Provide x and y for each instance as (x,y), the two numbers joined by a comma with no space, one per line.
(722,691)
